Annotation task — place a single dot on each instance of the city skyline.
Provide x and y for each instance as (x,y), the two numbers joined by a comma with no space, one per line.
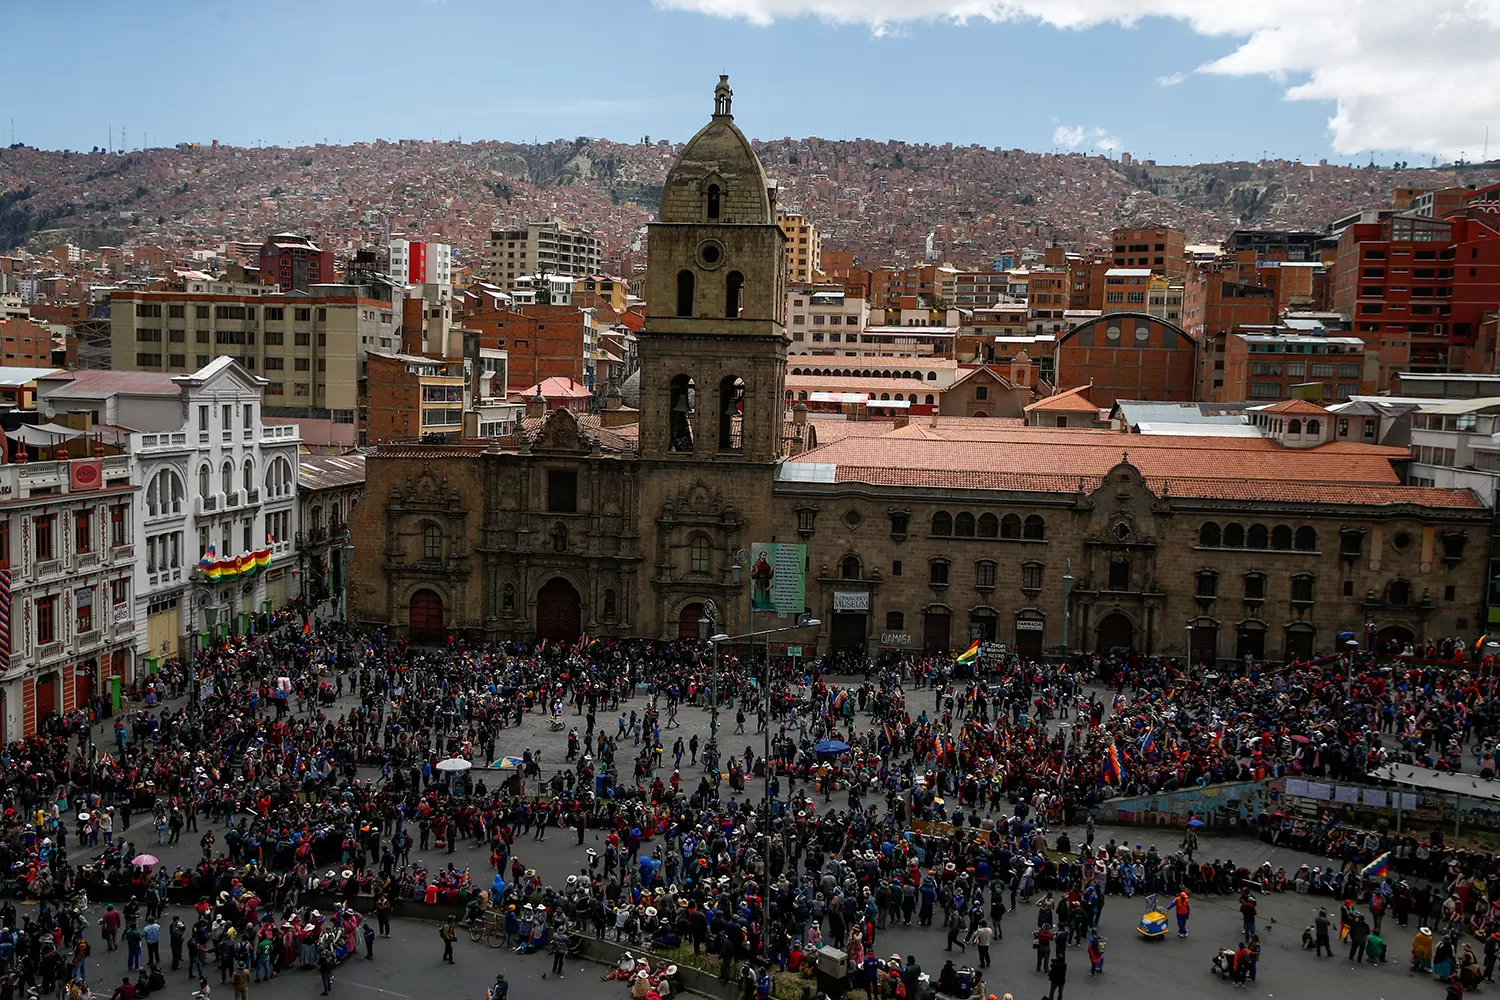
(1092,78)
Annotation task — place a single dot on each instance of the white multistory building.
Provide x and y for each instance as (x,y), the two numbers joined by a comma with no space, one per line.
(216,519)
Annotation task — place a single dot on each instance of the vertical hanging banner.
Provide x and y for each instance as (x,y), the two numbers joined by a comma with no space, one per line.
(778,574)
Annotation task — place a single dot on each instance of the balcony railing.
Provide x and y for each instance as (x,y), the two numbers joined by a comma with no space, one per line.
(208,504)
(232,498)
(252,496)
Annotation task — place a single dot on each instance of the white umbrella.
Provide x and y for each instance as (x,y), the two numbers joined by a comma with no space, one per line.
(454,764)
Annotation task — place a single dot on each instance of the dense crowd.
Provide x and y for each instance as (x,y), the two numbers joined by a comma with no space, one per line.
(927,790)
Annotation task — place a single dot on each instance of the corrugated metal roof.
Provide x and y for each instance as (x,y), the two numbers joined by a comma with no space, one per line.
(324,472)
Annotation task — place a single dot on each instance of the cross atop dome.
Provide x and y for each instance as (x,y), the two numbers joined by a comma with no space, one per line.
(722,96)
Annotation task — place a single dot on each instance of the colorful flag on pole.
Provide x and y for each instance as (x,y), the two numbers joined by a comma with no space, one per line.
(1114,773)
(969,655)
(1378,868)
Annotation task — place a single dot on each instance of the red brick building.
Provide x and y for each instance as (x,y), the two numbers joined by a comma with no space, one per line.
(1417,289)
(1162,250)
(543,342)
(1128,356)
(294,262)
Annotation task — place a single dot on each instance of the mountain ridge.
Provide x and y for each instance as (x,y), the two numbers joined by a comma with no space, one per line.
(876,199)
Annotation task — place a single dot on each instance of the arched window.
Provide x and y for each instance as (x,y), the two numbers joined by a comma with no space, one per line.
(1295,427)
(731,421)
(1035,527)
(278,478)
(1281,537)
(317,518)
(432,541)
(895,621)
(609,605)
(942,523)
(963,525)
(885,396)
(734,295)
(203,474)
(932,376)
(1234,536)
(164,497)
(1398,593)
(684,292)
(1209,535)
(1307,539)
(714,195)
(680,426)
(1314,428)
(1010,526)
(249,474)
(226,476)
(989,526)
(929,399)
(849,568)
(1256,537)
(699,554)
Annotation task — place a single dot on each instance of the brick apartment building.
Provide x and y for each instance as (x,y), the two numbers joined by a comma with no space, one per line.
(1047,299)
(294,262)
(1213,306)
(542,342)
(405,397)
(1417,289)
(24,343)
(1161,250)
(1262,366)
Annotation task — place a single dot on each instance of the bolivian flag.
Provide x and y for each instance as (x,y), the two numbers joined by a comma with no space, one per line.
(969,655)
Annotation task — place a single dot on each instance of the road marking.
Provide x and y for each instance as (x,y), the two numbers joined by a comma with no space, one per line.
(375,989)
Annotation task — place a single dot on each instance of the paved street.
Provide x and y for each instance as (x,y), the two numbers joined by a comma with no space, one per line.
(407,966)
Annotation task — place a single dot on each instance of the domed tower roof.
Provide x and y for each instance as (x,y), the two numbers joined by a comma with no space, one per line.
(718,156)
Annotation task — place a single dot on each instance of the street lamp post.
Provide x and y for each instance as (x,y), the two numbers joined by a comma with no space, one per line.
(1067,582)
(705,626)
(803,621)
(346,558)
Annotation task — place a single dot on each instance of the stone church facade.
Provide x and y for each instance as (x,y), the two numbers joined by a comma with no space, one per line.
(583,525)
(576,527)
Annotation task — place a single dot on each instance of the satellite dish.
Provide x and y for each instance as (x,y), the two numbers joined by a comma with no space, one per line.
(48,410)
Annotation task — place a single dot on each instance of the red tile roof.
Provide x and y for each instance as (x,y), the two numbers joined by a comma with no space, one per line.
(99,382)
(557,387)
(855,383)
(1297,408)
(1071,401)
(1075,453)
(1202,489)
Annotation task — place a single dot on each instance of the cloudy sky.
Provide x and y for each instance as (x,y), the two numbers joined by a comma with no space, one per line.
(1177,80)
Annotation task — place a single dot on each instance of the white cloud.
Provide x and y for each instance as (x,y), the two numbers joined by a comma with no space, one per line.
(1171,79)
(1073,136)
(1402,75)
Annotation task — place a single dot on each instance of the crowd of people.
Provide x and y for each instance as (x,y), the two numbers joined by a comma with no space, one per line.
(311,759)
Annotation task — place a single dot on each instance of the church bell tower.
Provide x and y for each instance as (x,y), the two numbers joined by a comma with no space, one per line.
(713,351)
